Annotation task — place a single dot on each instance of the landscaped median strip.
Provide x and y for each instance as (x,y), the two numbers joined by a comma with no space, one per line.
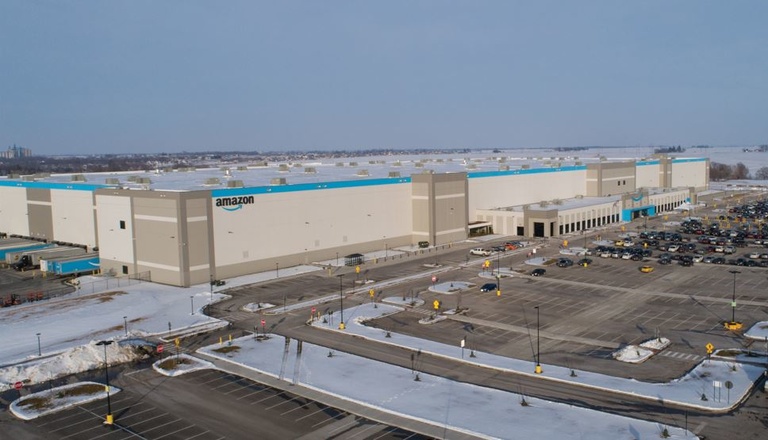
(46,402)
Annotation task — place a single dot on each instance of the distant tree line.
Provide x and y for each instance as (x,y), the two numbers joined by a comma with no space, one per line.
(663,150)
(721,171)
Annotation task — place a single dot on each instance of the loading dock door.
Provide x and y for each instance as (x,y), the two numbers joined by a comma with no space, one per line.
(538,229)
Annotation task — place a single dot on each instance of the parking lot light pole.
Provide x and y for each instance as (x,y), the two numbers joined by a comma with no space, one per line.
(538,344)
(125,325)
(109,419)
(39,349)
(341,300)
(733,325)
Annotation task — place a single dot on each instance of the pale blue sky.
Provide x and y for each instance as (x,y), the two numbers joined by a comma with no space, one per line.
(165,76)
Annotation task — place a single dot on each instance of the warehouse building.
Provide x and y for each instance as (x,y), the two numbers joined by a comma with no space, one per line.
(187,227)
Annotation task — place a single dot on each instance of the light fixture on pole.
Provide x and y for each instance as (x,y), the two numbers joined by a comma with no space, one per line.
(538,343)
(125,325)
(191,304)
(733,324)
(109,419)
(39,349)
(341,300)
(277,270)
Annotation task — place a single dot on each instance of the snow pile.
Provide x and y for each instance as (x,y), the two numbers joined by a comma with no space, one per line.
(636,354)
(257,307)
(759,331)
(76,359)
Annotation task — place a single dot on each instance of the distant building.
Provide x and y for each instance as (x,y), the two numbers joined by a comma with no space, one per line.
(15,152)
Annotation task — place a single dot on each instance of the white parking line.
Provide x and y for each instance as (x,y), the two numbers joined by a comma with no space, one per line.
(176,432)
(160,426)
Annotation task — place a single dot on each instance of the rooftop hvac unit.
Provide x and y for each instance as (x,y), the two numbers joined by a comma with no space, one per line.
(260,164)
(283,167)
(310,170)
(235,183)
(394,174)
(212,181)
(504,168)
(242,168)
(28,178)
(278,181)
(297,165)
(112,181)
(42,175)
(78,178)
(339,164)
(144,180)
(397,163)
(526,167)
(133,179)
(167,170)
(472,166)
(371,162)
(362,173)
(418,165)
(353,164)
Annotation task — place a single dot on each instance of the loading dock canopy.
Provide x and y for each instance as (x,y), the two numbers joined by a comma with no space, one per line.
(480,228)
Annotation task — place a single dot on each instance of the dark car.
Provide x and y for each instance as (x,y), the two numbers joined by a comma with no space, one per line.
(538,272)
(488,287)
(564,262)
(587,261)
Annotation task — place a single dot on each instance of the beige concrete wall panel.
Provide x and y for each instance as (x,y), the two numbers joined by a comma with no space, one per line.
(158,243)
(115,244)
(328,218)
(39,195)
(689,174)
(197,240)
(647,176)
(14,218)
(40,224)
(73,217)
(421,218)
(165,207)
(512,190)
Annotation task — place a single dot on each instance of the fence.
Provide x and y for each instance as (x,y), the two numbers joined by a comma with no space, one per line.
(96,285)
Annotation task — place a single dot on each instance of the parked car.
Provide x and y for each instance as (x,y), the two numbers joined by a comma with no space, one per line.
(564,262)
(538,272)
(488,287)
(584,262)
(480,251)
(646,269)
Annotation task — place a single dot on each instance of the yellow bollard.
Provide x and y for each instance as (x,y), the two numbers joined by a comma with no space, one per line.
(221,340)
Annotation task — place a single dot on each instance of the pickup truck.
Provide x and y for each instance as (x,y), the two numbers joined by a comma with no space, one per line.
(480,251)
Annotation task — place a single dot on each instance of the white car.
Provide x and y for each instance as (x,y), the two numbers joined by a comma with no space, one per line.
(480,251)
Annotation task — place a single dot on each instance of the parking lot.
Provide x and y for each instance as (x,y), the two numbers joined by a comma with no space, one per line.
(586,313)
(208,405)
